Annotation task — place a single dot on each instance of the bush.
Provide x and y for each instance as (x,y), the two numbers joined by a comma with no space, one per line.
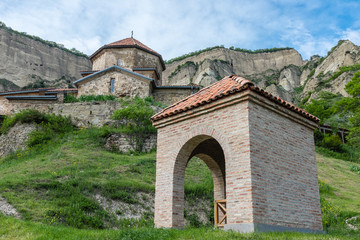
(25,116)
(332,142)
(70,99)
(355,169)
(330,214)
(134,120)
(89,98)
(50,125)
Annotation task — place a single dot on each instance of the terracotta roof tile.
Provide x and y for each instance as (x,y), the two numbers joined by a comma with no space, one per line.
(131,42)
(225,87)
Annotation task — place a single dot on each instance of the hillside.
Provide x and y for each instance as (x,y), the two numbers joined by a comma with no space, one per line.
(281,72)
(73,181)
(26,60)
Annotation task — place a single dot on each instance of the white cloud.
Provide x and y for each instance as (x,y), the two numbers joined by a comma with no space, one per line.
(352,35)
(173,28)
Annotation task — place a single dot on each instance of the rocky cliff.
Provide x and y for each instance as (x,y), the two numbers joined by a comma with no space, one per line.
(281,72)
(29,62)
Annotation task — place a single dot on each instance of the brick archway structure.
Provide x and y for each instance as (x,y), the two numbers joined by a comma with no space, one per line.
(259,149)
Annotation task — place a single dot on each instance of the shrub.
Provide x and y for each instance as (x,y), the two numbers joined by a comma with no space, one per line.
(134,120)
(25,116)
(70,99)
(50,125)
(330,214)
(355,169)
(89,98)
(332,142)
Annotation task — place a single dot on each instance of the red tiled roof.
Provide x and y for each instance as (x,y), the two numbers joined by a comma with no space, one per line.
(131,42)
(225,87)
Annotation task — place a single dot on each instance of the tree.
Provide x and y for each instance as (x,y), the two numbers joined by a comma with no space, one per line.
(135,121)
(351,106)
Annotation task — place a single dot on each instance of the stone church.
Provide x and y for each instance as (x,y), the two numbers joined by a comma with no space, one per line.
(125,68)
(128,68)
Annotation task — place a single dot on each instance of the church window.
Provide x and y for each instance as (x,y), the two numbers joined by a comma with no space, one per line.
(119,62)
(112,85)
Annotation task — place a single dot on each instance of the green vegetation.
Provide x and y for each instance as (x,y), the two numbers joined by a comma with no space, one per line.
(43,83)
(8,84)
(340,192)
(49,43)
(49,125)
(325,82)
(185,65)
(88,98)
(339,111)
(54,187)
(311,74)
(337,45)
(355,169)
(266,50)
(134,121)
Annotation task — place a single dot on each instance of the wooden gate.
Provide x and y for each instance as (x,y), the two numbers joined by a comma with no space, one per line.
(220,213)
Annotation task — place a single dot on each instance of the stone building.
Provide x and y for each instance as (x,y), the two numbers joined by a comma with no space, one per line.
(260,151)
(126,68)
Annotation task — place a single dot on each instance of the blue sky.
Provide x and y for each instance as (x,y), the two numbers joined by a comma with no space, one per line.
(173,28)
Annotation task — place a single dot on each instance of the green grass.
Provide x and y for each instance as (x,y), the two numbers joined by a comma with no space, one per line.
(53,187)
(18,229)
(345,193)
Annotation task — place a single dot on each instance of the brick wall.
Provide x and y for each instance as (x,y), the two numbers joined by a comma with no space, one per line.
(270,167)
(284,172)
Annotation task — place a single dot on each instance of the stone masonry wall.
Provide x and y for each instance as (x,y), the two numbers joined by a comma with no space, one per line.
(82,113)
(130,58)
(170,96)
(125,85)
(109,57)
(120,143)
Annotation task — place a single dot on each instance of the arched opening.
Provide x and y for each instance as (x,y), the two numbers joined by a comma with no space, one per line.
(208,150)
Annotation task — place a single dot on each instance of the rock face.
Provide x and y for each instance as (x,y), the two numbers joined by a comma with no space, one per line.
(15,139)
(344,54)
(263,68)
(216,64)
(283,73)
(24,61)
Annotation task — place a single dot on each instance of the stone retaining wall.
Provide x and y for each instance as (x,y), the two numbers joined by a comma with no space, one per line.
(120,143)
(83,114)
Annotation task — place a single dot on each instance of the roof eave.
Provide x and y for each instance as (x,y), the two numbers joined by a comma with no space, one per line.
(108,69)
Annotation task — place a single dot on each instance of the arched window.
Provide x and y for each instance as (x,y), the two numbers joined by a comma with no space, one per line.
(119,62)
(112,85)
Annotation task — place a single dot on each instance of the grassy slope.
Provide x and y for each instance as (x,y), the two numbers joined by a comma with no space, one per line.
(344,184)
(50,185)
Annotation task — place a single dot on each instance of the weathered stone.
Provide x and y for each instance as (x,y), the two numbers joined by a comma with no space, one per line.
(23,60)
(121,143)
(15,139)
